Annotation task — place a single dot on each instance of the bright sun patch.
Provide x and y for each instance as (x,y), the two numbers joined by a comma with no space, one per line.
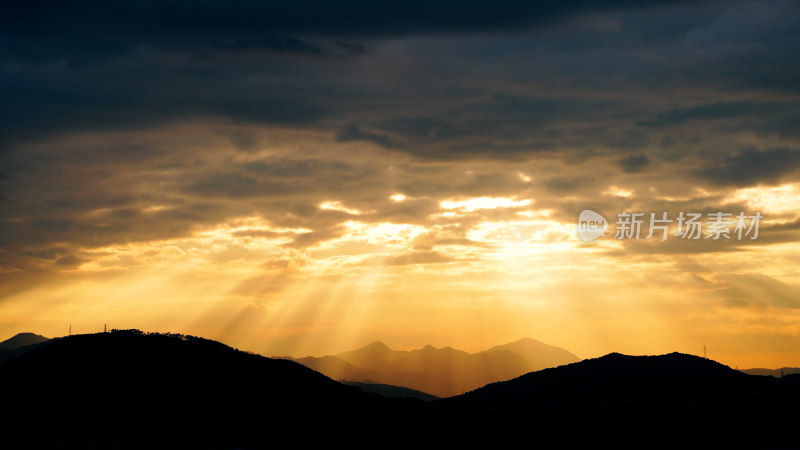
(478,203)
(338,206)
(618,192)
(770,200)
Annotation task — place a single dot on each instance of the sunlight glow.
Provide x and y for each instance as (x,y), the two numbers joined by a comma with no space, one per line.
(477,203)
(618,192)
(154,208)
(338,206)
(382,233)
(520,231)
(773,199)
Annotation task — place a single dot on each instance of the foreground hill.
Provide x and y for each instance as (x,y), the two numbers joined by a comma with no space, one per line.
(128,384)
(615,380)
(442,372)
(129,389)
(667,401)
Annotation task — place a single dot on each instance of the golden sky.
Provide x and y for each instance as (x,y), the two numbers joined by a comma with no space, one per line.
(316,192)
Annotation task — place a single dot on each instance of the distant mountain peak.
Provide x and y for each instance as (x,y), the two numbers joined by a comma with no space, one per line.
(537,354)
(27,335)
(22,340)
(377,345)
(527,340)
(442,371)
(375,348)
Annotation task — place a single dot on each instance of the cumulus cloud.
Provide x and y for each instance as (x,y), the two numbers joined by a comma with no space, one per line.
(208,136)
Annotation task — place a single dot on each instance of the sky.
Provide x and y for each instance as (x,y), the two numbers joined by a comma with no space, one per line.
(304,178)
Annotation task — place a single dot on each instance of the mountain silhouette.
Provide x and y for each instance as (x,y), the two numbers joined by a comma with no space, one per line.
(667,401)
(129,389)
(537,354)
(119,385)
(614,379)
(22,340)
(442,372)
(19,344)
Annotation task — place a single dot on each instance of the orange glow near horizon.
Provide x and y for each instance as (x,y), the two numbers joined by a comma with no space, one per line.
(293,185)
(477,272)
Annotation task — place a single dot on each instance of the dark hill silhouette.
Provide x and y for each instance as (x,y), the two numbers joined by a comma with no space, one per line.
(21,340)
(387,390)
(667,401)
(129,384)
(792,378)
(128,389)
(443,371)
(615,380)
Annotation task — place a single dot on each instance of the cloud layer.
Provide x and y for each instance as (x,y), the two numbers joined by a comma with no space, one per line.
(416,150)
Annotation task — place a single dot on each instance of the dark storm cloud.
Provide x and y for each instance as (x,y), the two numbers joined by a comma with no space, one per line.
(235,185)
(353,133)
(755,115)
(287,168)
(93,65)
(47,27)
(97,66)
(41,101)
(286,106)
(567,184)
(634,163)
(287,45)
(752,166)
(503,126)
